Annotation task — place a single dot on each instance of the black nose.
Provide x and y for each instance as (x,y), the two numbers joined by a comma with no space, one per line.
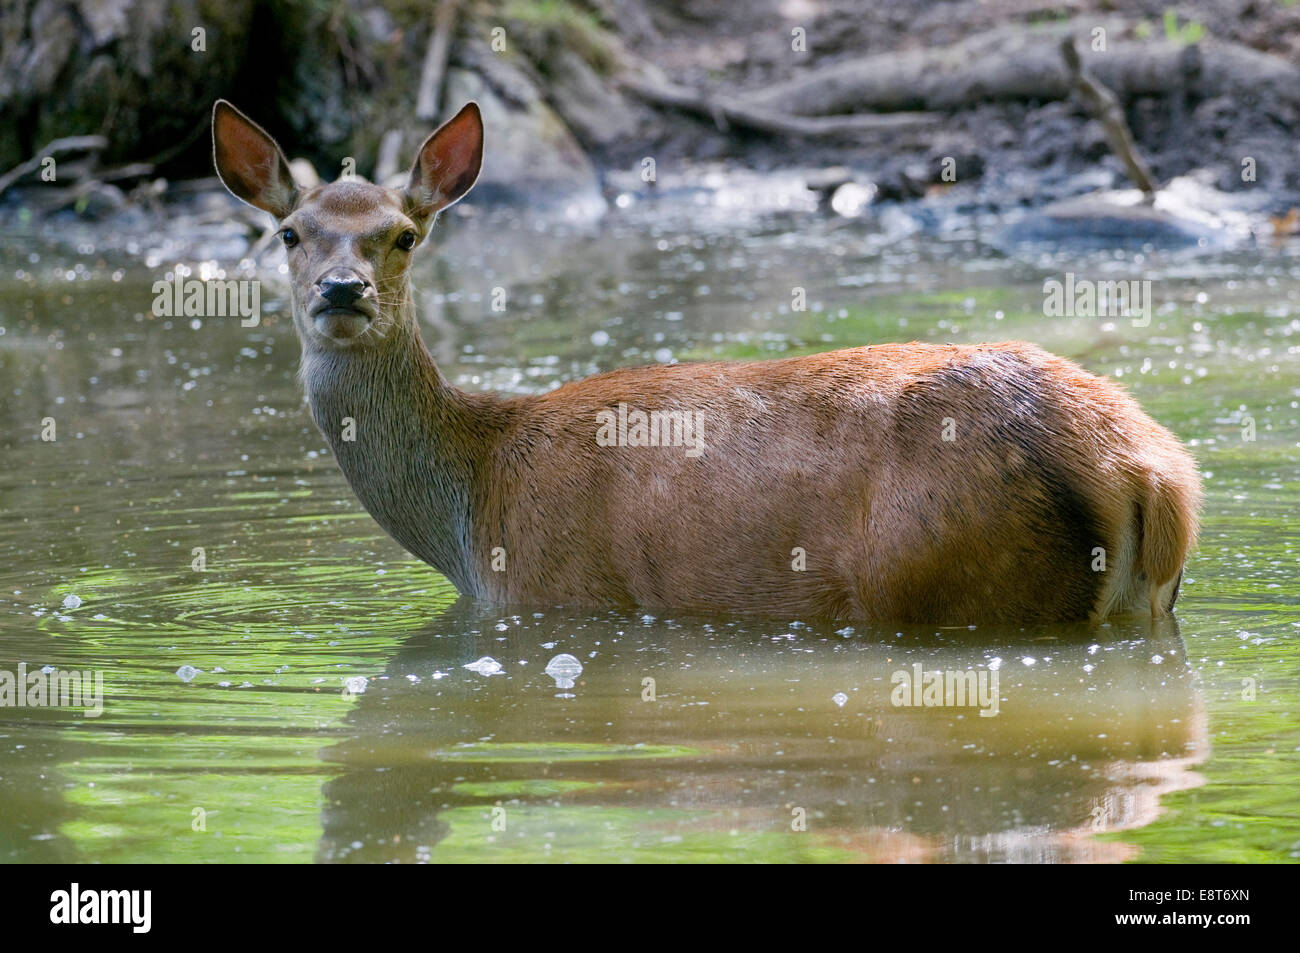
(342,290)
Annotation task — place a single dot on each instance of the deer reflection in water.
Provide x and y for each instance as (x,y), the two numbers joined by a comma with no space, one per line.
(742,731)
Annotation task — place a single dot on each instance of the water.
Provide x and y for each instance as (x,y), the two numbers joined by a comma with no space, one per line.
(305,694)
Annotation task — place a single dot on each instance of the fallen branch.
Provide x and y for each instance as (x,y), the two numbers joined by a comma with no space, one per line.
(1026,66)
(1106,109)
(390,154)
(725,111)
(428,100)
(69,144)
(133,170)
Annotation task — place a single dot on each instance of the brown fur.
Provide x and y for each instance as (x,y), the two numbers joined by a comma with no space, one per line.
(839,455)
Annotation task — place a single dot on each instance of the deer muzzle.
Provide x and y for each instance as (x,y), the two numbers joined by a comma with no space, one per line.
(343,302)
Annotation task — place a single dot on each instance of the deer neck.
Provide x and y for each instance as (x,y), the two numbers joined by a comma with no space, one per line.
(397,429)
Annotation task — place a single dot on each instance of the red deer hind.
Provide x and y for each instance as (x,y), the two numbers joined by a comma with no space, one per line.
(896,482)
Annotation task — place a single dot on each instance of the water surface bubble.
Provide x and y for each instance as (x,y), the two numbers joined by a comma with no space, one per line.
(487,665)
(356,685)
(564,668)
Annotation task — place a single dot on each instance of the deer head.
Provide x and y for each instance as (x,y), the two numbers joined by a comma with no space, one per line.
(349,243)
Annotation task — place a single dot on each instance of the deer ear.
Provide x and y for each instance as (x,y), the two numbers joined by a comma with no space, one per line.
(250,163)
(448,163)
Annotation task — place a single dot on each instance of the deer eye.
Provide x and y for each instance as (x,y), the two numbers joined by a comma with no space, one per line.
(406,240)
(290,237)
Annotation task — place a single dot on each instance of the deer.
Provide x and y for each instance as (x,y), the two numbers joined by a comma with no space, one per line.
(954,484)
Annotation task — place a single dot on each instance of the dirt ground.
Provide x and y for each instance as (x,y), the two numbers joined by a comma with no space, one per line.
(725,47)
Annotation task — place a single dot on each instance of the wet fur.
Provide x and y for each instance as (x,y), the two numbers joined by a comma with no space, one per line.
(839,455)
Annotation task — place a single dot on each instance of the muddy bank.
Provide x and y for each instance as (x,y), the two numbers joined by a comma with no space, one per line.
(959,109)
